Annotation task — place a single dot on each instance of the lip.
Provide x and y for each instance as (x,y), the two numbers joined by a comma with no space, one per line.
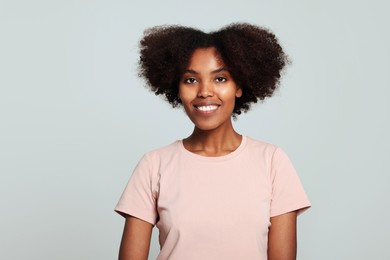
(206,108)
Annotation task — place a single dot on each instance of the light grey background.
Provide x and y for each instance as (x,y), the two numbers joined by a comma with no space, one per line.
(75,119)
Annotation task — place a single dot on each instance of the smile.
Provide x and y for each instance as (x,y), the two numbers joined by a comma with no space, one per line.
(207,108)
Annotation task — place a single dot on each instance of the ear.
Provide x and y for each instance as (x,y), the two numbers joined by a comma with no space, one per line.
(238,92)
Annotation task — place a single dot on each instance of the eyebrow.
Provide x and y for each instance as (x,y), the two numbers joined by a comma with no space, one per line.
(213,72)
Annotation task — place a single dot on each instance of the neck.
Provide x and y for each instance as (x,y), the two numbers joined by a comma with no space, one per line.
(216,142)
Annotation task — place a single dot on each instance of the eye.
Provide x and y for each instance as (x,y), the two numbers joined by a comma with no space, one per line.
(190,80)
(220,79)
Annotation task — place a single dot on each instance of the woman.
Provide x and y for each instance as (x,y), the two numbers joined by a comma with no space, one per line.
(215,194)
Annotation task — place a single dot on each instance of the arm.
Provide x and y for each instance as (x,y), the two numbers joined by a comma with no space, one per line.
(282,238)
(135,239)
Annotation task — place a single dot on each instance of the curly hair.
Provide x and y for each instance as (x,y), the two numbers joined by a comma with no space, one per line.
(251,53)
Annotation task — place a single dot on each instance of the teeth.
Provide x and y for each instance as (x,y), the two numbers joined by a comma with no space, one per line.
(207,108)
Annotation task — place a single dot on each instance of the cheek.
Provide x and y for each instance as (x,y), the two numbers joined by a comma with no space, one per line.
(228,93)
(180,94)
(186,94)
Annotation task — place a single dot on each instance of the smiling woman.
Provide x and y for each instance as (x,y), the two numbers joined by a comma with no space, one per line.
(208,91)
(216,194)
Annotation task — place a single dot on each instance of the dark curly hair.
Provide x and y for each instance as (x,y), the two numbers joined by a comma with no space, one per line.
(252,55)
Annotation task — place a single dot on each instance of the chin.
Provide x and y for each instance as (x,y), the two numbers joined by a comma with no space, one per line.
(207,126)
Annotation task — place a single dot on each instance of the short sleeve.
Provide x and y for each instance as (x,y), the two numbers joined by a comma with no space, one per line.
(140,195)
(287,191)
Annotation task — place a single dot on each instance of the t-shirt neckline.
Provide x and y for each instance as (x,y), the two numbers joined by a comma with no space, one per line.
(213,158)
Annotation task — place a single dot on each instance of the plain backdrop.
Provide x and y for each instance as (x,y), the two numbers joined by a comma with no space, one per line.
(75,119)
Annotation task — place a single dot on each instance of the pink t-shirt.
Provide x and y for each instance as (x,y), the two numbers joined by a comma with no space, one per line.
(213,207)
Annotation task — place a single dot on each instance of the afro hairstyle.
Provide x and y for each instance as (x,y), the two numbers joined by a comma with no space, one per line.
(252,54)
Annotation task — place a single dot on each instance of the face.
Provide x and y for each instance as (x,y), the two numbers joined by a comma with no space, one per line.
(208,91)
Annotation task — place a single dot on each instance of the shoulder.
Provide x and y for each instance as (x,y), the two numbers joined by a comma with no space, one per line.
(149,166)
(164,152)
(270,153)
(170,148)
(260,146)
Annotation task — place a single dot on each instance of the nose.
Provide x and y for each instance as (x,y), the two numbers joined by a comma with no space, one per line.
(205,90)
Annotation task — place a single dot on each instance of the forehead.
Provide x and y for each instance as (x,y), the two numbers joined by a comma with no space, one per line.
(205,57)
